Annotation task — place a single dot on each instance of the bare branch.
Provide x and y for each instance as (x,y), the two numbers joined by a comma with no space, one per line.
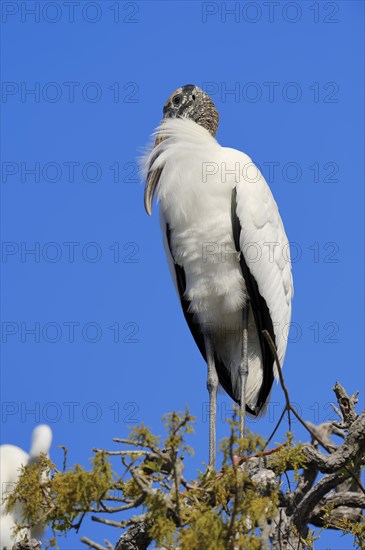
(324,431)
(354,500)
(347,404)
(91,544)
(345,505)
(324,485)
(352,449)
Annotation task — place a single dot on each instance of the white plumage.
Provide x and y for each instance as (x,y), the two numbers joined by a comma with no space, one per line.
(195,190)
(227,251)
(12,459)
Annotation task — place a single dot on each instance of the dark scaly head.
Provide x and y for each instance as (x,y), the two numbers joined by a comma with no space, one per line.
(191,102)
(186,102)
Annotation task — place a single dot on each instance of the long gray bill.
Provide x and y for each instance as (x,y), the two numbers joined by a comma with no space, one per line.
(153,178)
(149,191)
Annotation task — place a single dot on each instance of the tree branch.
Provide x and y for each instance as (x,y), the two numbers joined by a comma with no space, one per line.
(352,449)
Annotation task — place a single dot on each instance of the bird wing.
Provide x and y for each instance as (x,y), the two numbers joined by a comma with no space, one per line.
(256,224)
(178,277)
(265,261)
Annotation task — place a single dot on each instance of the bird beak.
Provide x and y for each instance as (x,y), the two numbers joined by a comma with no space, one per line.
(153,178)
(151,184)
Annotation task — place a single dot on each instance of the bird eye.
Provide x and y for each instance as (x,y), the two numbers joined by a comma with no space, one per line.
(193,96)
(176,100)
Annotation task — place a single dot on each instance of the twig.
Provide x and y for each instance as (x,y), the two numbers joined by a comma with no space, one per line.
(276,427)
(238,460)
(349,407)
(119,524)
(142,452)
(286,394)
(289,406)
(128,506)
(92,544)
(65,451)
(136,444)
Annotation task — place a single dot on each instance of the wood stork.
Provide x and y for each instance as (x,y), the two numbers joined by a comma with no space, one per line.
(12,459)
(227,251)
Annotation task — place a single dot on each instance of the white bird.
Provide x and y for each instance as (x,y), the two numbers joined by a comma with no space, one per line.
(12,459)
(227,251)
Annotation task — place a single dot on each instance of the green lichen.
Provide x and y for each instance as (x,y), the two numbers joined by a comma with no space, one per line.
(289,457)
(224,511)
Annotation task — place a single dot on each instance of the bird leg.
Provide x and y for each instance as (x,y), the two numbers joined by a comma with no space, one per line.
(212,386)
(244,368)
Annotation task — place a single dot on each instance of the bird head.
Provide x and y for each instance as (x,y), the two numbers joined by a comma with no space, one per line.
(191,102)
(186,102)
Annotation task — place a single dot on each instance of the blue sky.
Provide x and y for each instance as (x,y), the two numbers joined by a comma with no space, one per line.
(109,346)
